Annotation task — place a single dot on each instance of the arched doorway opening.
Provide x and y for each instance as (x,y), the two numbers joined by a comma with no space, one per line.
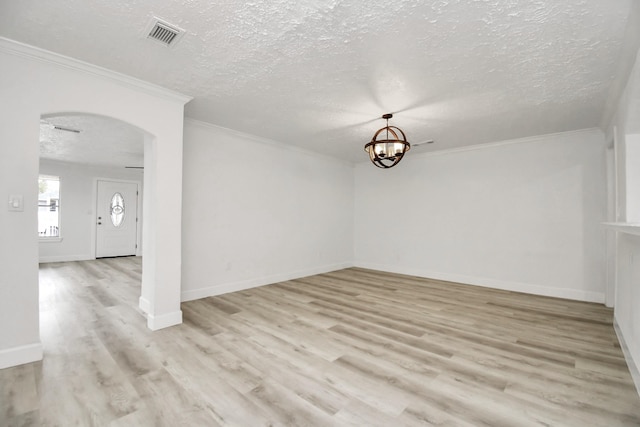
(94,146)
(39,84)
(83,156)
(86,148)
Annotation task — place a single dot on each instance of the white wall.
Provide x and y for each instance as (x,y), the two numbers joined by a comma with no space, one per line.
(626,257)
(632,177)
(523,215)
(77,213)
(257,212)
(627,305)
(34,82)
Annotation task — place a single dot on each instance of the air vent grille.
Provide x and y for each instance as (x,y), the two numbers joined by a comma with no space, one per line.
(164,32)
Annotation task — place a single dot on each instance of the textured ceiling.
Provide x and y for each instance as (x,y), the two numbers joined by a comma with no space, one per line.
(318,73)
(100,141)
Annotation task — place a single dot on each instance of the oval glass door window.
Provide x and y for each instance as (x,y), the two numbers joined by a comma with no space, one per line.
(117,210)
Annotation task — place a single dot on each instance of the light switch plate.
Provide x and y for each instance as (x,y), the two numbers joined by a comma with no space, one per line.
(16,203)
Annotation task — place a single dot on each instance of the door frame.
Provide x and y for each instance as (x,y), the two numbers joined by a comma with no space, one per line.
(612,215)
(93,219)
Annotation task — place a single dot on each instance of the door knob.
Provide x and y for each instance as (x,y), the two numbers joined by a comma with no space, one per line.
(99,223)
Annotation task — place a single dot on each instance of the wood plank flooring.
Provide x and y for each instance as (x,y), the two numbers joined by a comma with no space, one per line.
(352,347)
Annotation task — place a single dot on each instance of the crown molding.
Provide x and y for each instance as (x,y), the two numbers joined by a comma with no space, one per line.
(525,140)
(266,141)
(494,144)
(23,50)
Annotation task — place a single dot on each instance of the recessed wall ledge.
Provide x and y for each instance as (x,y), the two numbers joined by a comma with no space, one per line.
(624,227)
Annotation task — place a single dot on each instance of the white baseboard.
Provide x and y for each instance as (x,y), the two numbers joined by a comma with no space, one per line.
(64,258)
(261,281)
(164,320)
(20,355)
(526,288)
(144,304)
(628,357)
(155,322)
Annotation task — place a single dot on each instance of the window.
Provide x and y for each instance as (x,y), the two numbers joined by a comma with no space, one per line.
(117,210)
(48,206)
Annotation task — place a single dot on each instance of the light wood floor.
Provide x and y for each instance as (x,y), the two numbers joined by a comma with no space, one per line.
(353,347)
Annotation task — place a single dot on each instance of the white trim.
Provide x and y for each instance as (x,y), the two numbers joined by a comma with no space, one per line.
(64,258)
(624,227)
(16,48)
(254,283)
(266,141)
(633,368)
(144,304)
(527,288)
(529,139)
(20,355)
(164,320)
(49,239)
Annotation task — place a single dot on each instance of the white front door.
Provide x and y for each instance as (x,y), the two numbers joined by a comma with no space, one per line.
(116,218)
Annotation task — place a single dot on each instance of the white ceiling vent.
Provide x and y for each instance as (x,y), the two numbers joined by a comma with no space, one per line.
(163,32)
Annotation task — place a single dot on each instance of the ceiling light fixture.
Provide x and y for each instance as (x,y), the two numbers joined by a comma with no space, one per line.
(386,153)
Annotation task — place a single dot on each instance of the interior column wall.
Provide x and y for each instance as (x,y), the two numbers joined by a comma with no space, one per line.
(626,257)
(34,82)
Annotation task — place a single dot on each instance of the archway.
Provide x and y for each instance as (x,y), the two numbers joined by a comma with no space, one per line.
(38,83)
(79,155)
(153,296)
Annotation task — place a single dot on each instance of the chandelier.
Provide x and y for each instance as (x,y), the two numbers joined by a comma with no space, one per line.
(386,153)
